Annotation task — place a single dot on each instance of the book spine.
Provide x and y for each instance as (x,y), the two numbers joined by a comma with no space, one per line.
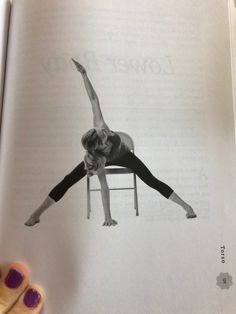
(5,13)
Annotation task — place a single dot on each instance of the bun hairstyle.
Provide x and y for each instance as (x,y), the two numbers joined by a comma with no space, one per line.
(93,159)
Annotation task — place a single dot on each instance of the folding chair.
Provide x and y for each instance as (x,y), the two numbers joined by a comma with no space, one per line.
(117,170)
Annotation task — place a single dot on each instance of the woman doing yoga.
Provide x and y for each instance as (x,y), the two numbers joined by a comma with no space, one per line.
(104,148)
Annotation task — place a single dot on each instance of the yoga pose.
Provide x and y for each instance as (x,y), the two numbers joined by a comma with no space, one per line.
(104,147)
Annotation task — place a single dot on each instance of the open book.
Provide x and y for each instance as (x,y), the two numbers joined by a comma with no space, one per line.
(163,72)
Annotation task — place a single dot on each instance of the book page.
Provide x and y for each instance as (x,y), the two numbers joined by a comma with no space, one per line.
(162,73)
(232,24)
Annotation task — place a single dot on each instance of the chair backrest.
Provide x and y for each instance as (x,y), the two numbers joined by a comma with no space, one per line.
(127,139)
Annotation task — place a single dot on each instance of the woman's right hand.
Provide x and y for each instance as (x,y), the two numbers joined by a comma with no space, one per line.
(109,222)
(79,66)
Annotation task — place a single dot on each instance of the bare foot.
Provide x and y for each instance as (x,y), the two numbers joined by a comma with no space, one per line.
(190,212)
(32,221)
(17,293)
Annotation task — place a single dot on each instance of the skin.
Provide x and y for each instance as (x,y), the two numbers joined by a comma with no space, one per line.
(11,300)
(103,131)
(103,134)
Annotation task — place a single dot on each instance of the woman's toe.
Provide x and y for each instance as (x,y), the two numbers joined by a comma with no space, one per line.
(32,221)
(14,280)
(30,302)
(191,215)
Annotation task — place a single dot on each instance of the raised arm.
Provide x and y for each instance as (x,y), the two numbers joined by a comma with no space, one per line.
(98,120)
(105,198)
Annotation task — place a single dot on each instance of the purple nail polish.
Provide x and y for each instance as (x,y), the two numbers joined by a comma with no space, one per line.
(13,279)
(32,298)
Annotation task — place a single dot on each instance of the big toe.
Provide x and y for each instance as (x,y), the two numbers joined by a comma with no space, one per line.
(30,302)
(32,221)
(16,295)
(191,215)
(14,280)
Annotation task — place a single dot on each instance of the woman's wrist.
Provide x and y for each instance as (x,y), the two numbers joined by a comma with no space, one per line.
(107,216)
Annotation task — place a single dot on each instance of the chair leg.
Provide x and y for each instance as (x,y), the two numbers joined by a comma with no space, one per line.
(135,196)
(88,198)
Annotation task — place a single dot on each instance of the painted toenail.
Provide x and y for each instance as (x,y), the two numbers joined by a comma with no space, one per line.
(14,279)
(32,298)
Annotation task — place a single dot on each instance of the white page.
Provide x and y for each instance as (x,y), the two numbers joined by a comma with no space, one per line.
(232,23)
(162,73)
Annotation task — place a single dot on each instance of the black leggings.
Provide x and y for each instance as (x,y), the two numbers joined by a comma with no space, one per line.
(129,160)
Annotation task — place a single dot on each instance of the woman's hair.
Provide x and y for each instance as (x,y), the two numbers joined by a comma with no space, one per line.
(93,159)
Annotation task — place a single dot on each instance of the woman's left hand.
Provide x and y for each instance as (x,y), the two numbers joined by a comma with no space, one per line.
(110,222)
(79,66)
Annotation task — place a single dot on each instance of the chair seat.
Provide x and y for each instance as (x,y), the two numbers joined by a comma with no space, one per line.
(118,170)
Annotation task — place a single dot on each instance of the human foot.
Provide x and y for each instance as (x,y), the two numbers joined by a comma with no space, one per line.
(32,221)
(190,212)
(17,294)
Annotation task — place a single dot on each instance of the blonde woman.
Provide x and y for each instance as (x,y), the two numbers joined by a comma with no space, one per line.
(103,148)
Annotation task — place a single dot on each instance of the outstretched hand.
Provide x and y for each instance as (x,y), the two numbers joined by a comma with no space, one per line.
(110,222)
(79,66)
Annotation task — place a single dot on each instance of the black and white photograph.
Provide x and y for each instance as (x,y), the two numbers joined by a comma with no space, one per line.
(104,147)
